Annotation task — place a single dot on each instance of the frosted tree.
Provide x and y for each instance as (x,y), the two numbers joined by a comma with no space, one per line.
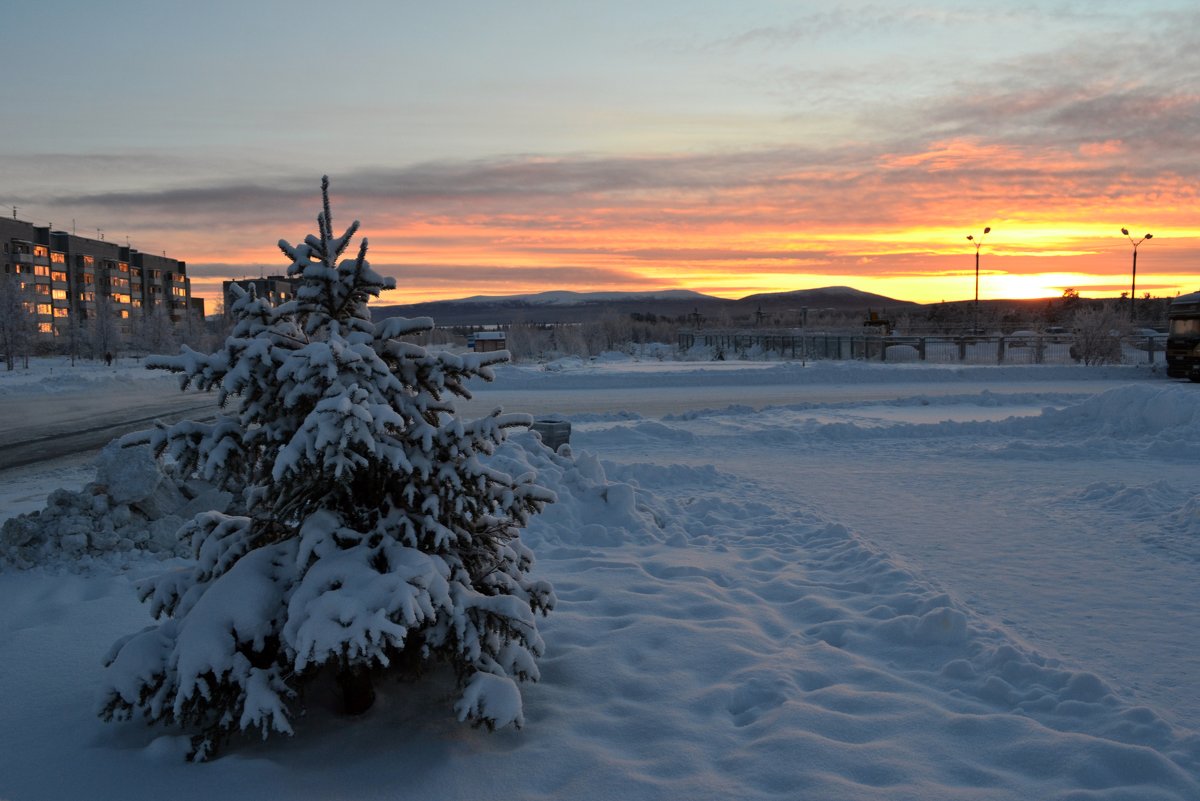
(372,537)
(18,326)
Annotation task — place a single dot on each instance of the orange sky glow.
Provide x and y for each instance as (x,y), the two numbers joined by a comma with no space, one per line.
(897,227)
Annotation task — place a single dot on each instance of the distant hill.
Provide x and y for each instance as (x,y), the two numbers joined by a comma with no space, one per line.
(829,297)
(568,307)
(562,297)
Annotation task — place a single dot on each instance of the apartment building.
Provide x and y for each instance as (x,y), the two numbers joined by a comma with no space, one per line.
(71,279)
(276,288)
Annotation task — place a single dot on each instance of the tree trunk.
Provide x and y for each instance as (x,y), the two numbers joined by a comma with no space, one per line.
(358,694)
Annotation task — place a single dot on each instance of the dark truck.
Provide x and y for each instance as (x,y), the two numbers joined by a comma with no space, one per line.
(1183,337)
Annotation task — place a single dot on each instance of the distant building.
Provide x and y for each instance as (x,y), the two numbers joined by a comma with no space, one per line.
(487,341)
(71,279)
(276,288)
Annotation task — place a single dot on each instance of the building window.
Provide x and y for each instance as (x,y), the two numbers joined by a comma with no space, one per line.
(45,328)
(58,258)
(124,314)
(58,294)
(88,278)
(41,269)
(42,289)
(41,250)
(87,297)
(89,262)
(61,312)
(58,275)
(45,308)
(123,267)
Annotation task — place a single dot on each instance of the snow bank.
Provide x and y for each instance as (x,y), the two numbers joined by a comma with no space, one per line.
(576,373)
(49,375)
(1157,419)
(133,504)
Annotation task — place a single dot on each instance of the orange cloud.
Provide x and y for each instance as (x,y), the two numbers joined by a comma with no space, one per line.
(893,222)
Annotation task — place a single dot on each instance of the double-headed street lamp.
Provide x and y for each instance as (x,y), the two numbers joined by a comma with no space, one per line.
(1133,284)
(978,243)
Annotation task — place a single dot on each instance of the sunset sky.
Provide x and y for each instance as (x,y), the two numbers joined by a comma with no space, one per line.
(726,147)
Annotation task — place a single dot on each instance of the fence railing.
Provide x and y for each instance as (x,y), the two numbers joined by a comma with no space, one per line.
(942,348)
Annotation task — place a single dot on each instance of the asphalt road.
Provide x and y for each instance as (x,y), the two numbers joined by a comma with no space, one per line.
(42,427)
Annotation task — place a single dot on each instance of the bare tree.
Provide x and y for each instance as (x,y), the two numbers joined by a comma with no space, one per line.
(106,328)
(18,326)
(155,332)
(1098,331)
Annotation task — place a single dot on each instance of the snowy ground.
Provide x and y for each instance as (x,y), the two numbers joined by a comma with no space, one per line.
(836,581)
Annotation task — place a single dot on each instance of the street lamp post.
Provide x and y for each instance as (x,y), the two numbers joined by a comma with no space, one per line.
(978,243)
(1133,283)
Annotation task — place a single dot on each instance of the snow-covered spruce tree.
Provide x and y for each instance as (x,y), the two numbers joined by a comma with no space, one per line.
(373,536)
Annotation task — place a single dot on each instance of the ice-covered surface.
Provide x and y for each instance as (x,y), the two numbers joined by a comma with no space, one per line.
(921,597)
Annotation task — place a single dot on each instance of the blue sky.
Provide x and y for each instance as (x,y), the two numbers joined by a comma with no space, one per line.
(169,122)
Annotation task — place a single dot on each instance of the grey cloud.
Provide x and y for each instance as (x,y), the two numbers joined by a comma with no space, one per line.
(452,275)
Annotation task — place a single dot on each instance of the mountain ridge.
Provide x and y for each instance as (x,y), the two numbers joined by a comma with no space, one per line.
(566,306)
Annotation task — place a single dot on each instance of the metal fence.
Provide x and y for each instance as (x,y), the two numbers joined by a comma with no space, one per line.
(941,349)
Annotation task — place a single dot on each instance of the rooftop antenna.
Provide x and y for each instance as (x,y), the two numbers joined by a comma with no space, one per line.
(72,226)
(14,212)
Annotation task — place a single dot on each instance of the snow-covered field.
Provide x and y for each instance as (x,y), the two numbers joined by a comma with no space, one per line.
(835,581)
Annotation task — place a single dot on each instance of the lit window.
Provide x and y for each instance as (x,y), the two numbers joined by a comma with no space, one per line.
(88,278)
(58,258)
(42,289)
(123,267)
(41,269)
(89,261)
(58,275)
(45,308)
(124,314)
(41,250)
(61,312)
(59,294)
(45,328)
